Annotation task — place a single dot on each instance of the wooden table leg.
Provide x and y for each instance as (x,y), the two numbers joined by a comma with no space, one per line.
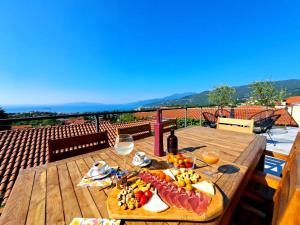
(261,163)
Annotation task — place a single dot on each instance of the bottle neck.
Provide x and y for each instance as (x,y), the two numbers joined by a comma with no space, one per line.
(172,132)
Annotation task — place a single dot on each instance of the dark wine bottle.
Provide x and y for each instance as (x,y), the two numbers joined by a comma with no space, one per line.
(172,145)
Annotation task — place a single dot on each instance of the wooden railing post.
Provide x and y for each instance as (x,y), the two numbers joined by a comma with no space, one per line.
(232,113)
(97,123)
(201,116)
(185,117)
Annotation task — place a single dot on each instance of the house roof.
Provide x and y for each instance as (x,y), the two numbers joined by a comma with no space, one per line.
(25,148)
(292,100)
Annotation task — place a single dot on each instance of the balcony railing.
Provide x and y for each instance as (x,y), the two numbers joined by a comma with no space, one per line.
(183,113)
(98,116)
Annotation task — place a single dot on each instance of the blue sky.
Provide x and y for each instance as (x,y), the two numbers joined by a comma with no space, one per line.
(121,51)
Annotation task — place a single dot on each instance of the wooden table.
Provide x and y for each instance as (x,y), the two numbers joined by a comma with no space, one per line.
(49,194)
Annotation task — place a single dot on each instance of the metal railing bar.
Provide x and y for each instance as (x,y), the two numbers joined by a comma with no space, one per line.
(104,114)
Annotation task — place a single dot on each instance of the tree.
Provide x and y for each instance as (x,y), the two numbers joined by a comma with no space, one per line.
(282,94)
(125,117)
(265,93)
(3,115)
(222,96)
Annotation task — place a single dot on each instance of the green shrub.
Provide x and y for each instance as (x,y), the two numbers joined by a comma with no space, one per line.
(189,122)
(124,118)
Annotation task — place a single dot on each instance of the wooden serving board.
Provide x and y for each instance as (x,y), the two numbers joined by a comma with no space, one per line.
(172,213)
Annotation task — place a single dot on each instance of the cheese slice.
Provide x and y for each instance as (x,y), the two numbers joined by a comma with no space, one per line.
(169,173)
(205,186)
(155,204)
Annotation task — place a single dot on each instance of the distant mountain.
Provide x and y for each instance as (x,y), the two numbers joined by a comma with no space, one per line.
(81,107)
(159,100)
(242,93)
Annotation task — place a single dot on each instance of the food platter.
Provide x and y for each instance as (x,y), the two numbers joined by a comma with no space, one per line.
(212,210)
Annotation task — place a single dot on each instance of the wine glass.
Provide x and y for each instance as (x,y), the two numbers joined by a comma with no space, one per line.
(124,145)
(210,158)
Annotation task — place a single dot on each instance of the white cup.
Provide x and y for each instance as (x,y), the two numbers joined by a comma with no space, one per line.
(99,167)
(139,157)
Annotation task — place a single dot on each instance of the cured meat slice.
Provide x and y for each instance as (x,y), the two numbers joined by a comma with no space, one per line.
(183,199)
(206,199)
(176,201)
(155,183)
(181,190)
(202,207)
(162,196)
(145,177)
(199,205)
(167,193)
(193,202)
(173,198)
(162,193)
(151,180)
(158,186)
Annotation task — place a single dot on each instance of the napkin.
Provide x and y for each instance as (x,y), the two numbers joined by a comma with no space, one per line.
(87,181)
(94,221)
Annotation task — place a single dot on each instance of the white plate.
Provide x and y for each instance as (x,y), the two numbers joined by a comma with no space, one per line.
(146,162)
(100,176)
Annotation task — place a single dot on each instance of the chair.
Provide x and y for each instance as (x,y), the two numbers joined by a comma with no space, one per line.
(283,157)
(262,114)
(282,206)
(222,113)
(72,146)
(137,132)
(168,124)
(210,120)
(265,125)
(238,125)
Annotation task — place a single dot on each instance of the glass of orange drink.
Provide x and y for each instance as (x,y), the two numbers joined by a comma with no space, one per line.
(210,157)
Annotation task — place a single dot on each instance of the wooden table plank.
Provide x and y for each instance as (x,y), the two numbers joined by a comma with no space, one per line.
(54,207)
(37,209)
(70,203)
(98,196)
(251,154)
(16,209)
(86,203)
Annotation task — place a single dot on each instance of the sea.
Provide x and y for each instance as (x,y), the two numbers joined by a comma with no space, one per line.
(67,108)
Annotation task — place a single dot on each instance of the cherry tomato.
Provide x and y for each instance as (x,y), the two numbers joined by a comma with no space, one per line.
(139,194)
(188,165)
(182,166)
(148,194)
(144,200)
